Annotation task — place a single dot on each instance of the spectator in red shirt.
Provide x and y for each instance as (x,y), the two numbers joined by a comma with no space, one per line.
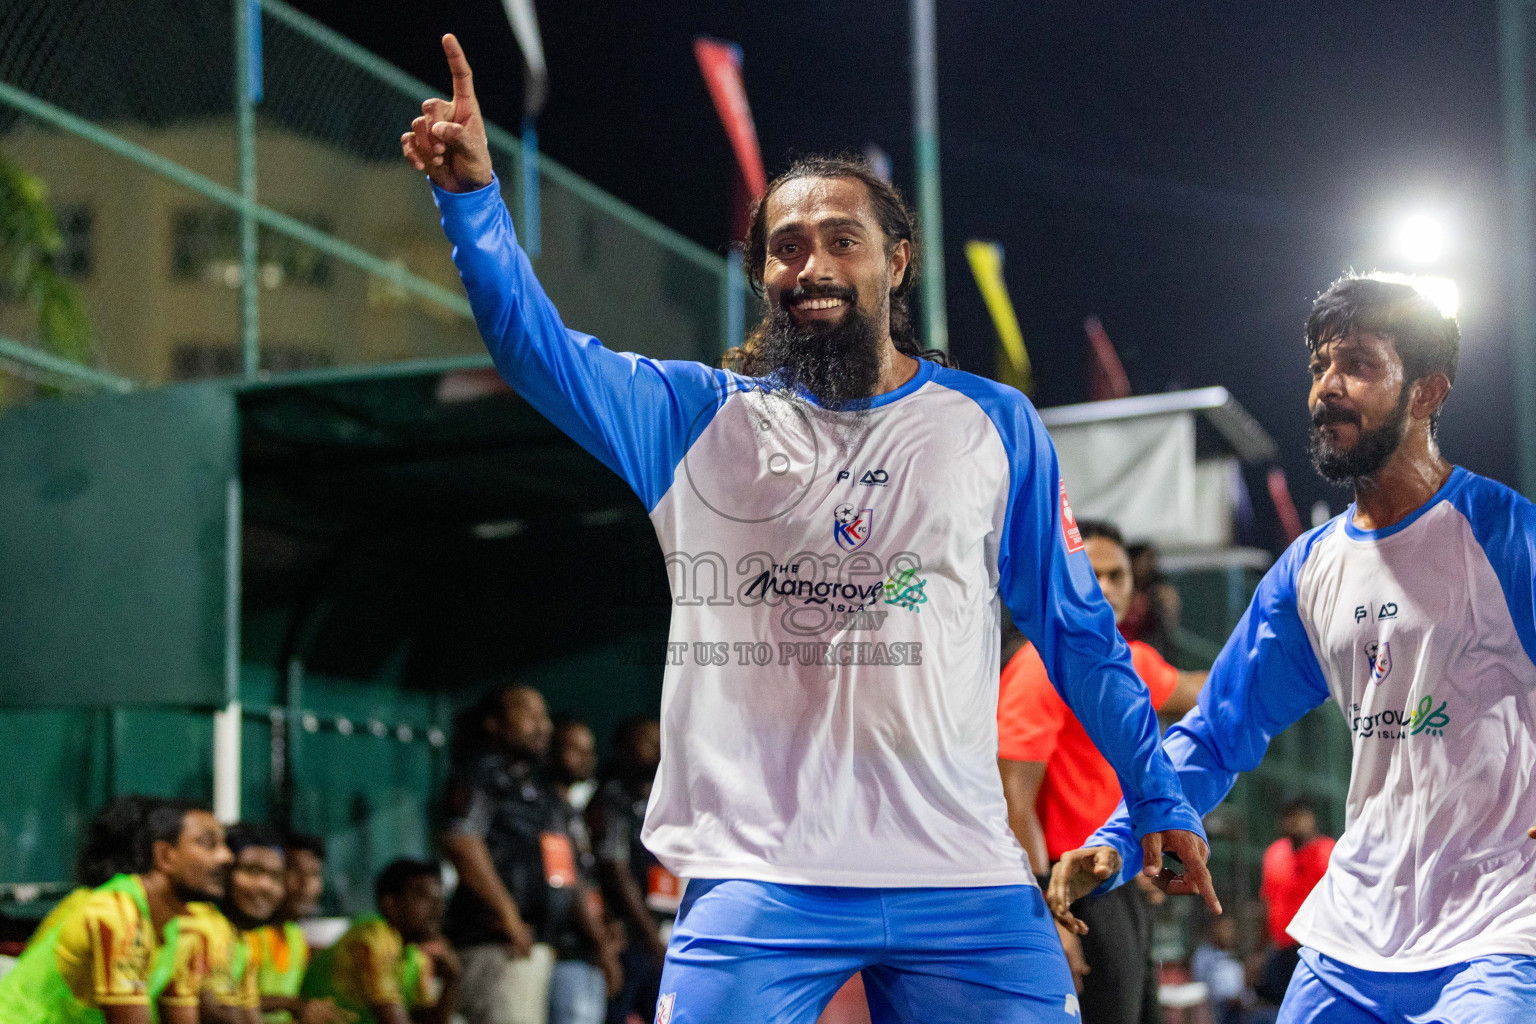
(1293,864)
(1059,789)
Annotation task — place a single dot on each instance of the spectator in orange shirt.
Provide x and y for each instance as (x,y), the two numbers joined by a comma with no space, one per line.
(1293,865)
(1059,789)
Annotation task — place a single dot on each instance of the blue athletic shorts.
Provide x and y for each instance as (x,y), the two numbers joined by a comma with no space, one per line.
(757,953)
(1486,990)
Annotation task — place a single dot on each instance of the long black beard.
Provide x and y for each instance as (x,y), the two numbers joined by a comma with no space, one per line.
(838,364)
(1367,455)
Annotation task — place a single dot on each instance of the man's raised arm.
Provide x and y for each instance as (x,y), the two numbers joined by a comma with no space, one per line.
(1265,678)
(636,415)
(1048,584)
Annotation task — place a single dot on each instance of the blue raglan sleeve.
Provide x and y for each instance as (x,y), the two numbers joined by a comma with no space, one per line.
(1504,525)
(1265,678)
(636,415)
(1048,584)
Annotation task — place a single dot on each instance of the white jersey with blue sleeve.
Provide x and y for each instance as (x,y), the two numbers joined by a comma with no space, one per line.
(830,693)
(1423,634)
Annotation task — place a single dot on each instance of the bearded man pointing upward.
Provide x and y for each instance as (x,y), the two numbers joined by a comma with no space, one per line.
(831,788)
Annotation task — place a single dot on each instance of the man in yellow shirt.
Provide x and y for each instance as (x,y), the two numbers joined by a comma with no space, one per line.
(100,962)
(111,848)
(395,968)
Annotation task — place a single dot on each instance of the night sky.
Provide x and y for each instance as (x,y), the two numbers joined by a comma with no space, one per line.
(1192,174)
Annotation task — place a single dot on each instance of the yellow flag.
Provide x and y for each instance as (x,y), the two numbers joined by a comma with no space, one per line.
(986,260)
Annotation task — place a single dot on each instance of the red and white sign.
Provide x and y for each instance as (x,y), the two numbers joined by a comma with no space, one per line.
(721,63)
(1069,530)
(664,892)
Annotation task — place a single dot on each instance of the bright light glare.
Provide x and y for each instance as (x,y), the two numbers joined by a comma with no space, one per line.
(1421,239)
(1442,291)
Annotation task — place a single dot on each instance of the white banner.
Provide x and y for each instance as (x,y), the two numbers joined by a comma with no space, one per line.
(1140,474)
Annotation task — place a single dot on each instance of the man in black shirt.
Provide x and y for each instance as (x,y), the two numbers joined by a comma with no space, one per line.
(504,837)
(642,892)
(587,969)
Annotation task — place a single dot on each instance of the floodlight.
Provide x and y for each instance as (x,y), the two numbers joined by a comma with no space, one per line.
(1442,291)
(1421,239)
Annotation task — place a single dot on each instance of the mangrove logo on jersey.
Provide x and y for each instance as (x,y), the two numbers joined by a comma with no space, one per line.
(1424,720)
(1380,658)
(905,589)
(851,526)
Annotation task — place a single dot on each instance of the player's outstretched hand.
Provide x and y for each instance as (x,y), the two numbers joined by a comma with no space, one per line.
(1077,874)
(448,140)
(1191,851)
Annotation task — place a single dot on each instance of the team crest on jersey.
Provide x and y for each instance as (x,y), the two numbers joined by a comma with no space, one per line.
(664,1008)
(851,526)
(1069,530)
(1380,657)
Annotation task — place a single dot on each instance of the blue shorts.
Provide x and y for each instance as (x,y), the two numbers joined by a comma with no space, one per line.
(1485,990)
(758,953)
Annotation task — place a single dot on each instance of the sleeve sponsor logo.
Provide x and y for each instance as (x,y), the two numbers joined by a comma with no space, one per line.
(1069,531)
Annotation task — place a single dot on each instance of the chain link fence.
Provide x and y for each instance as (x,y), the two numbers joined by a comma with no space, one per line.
(127,114)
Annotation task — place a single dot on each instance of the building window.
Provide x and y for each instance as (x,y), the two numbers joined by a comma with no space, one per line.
(77,233)
(205,246)
(204,360)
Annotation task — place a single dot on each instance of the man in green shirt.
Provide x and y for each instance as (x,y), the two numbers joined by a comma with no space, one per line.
(393,968)
(279,948)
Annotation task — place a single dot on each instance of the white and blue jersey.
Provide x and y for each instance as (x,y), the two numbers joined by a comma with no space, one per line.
(829,703)
(1423,634)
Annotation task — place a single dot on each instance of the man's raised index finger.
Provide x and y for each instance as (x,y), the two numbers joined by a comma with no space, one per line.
(458,67)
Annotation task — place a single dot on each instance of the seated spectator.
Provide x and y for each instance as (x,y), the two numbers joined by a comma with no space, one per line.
(1217,964)
(393,968)
(281,951)
(98,962)
(111,848)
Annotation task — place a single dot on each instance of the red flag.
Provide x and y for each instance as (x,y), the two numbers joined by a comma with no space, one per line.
(721,63)
(1280,494)
(1107,377)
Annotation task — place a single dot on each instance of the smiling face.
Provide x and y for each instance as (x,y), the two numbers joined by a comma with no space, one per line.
(1359,403)
(827,251)
(303,884)
(828,269)
(257,883)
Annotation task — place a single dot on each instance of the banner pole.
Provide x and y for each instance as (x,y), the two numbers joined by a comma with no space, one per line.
(925,130)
